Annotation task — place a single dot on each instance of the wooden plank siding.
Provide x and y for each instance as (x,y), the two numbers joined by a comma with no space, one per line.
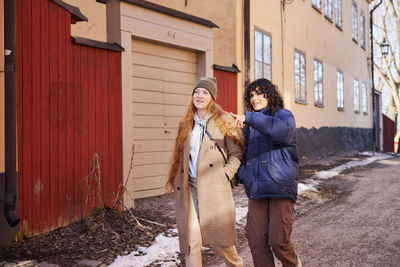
(162,78)
(68,108)
(227,90)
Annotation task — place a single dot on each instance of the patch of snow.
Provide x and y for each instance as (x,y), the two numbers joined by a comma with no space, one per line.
(164,250)
(312,183)
(241,214)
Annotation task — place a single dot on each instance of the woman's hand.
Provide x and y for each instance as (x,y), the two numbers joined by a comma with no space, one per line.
(239,120)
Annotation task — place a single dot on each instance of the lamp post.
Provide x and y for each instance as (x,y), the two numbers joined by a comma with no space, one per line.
(384,47)
(375,95)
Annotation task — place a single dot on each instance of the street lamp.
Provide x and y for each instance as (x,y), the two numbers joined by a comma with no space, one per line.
(384,47)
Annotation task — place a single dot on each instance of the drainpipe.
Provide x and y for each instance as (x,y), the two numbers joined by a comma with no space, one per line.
(374,104)
(11,176)
(246,17)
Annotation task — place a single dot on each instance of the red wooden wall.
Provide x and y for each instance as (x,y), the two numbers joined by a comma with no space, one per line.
(68,108)
(227,90)
(389,131)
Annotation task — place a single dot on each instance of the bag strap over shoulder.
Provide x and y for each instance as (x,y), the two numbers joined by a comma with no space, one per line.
(216,144)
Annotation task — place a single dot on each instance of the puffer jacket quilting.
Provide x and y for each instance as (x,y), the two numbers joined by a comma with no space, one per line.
(270,165)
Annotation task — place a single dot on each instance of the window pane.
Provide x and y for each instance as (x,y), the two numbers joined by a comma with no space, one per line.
(317,3)
(258,46)
(328,8)
(355,21)
(258,70)
(365,102)
(296,64)
(362,29)
(267,71)
(340,89)
(338,12)
(356,96)
(297,86)
(267,49)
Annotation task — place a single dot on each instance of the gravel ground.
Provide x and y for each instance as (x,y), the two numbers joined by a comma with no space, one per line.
(108,233)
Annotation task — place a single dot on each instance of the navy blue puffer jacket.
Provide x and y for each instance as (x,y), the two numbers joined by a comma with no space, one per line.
(270,165)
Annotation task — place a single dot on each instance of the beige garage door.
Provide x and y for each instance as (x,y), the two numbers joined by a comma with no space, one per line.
(162,81)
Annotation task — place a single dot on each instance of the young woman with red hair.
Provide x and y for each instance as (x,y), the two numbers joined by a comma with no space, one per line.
(207,154)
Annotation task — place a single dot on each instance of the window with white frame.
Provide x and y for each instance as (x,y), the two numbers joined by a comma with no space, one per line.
(328,9)
(318,93)
(262,55)
(364,98)
(338,13)
(354,21)
(356,96)
(300,76)
(339,90)
(362,29)
(316,4)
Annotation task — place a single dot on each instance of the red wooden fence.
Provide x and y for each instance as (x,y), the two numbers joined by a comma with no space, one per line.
(227,89)
(68,108)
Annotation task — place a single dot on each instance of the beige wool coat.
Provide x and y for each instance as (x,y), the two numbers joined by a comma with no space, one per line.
(215,201)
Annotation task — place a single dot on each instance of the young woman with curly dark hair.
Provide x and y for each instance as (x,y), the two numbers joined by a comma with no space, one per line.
(269,172)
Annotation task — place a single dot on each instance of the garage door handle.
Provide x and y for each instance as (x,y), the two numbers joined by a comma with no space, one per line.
(167,131)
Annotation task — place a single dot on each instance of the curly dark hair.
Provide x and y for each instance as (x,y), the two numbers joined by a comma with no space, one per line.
(269,90)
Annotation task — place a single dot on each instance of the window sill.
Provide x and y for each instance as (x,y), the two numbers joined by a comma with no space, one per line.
(355,41)
(356,112)
(365,113)
(299,101)
(328,18)
(340,109)
(339,27)
(318,105)
(363,47)
(316,8)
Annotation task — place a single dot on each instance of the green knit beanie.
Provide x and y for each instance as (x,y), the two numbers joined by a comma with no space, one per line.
(209,83)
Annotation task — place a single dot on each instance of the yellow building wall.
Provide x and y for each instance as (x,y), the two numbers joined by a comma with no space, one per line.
(2,91)
(96,26)
(300,26)
(223,14)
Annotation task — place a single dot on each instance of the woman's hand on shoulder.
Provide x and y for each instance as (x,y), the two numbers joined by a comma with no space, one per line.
(239,120)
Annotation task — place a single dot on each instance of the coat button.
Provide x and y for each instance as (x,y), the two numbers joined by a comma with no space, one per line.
(211,147)
(182,170)
(211,165)
(178,188)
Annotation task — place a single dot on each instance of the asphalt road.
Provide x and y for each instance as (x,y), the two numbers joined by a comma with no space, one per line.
(361,227)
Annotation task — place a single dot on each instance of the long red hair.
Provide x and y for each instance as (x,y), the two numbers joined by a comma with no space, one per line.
(185,127)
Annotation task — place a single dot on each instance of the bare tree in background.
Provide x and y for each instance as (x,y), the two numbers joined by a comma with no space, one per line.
(387,67)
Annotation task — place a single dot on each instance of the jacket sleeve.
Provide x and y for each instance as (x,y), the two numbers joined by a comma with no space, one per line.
(246,130)
(234,151)
(234,158)
(280,128)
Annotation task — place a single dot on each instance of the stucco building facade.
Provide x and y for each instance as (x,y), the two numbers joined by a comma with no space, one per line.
(315,51)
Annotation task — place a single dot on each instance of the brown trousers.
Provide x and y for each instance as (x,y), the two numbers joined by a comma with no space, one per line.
(268,231)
